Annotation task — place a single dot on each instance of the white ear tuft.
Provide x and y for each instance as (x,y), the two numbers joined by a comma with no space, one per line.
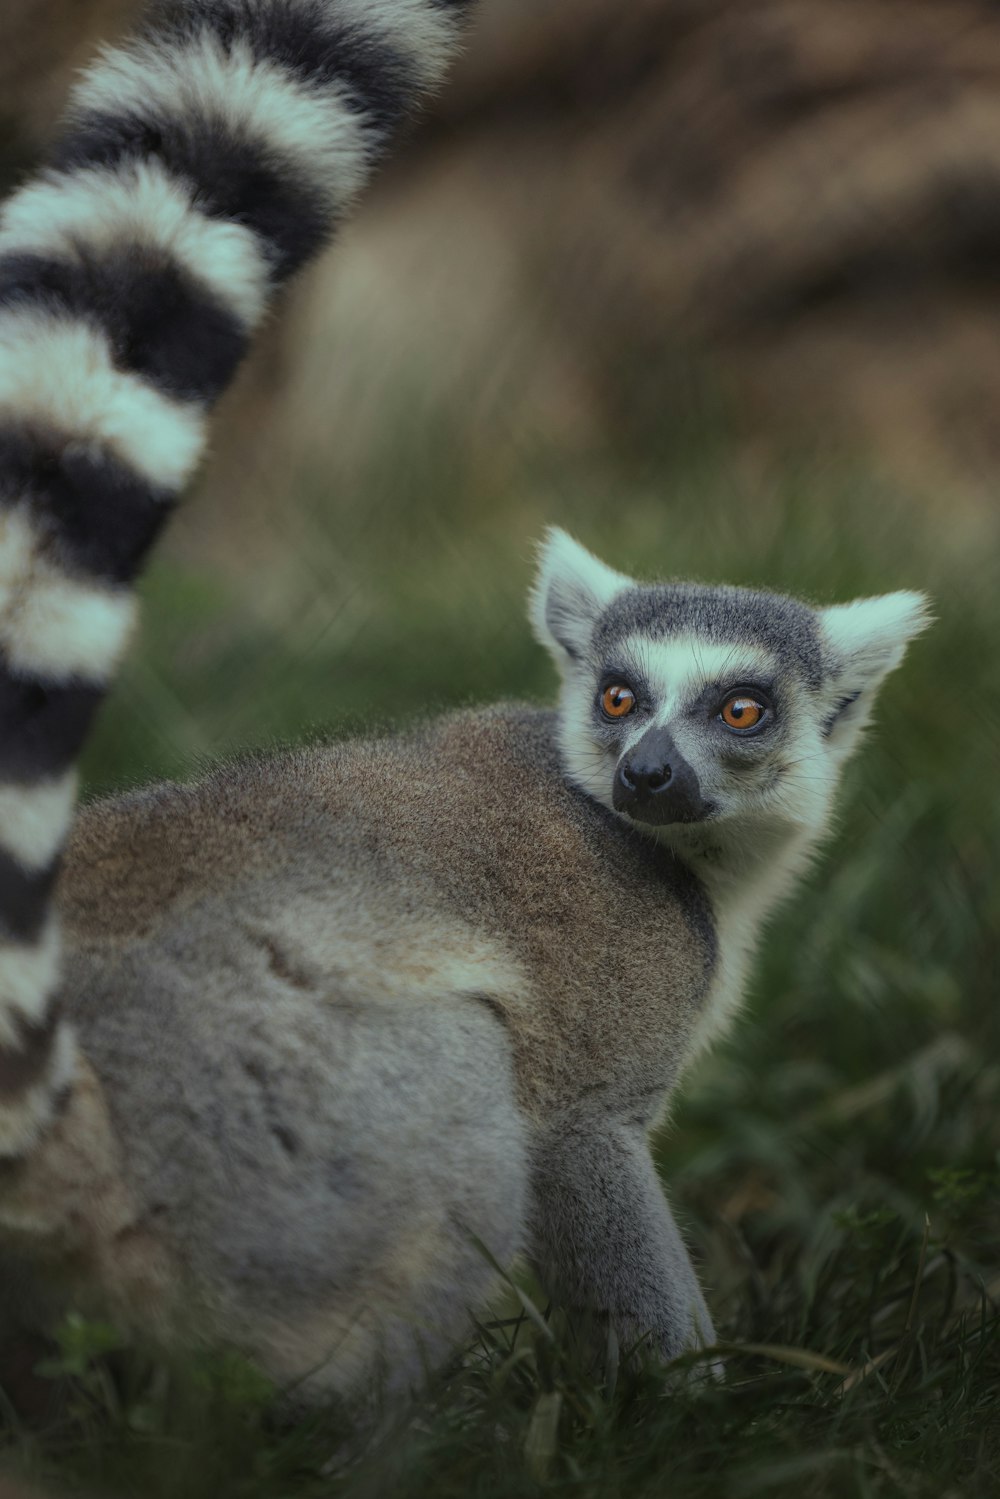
(571,589)
(863,642)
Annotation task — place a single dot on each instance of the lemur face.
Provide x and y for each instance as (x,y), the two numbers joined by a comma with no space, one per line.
(689,730)
(686,704)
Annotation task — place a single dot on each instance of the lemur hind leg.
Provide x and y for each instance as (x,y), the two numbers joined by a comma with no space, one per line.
(356,1262)
(342,1163)
(429,1170)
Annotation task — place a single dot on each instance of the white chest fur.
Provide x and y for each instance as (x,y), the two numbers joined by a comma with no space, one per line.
(745,886)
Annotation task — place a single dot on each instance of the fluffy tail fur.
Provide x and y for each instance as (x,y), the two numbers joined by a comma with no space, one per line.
(200,167)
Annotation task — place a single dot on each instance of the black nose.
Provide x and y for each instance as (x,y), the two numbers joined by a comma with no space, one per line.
(655,784)
(644,779)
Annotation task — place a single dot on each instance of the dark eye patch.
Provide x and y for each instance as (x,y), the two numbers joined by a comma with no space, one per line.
(621,675)
(713,695)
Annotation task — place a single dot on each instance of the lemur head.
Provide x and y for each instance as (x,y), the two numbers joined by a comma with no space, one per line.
(688,707)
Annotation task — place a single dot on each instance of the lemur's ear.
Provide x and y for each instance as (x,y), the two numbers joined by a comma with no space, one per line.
(862,643)
(571,589)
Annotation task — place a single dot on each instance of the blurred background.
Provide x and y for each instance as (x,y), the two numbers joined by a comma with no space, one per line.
(653,274)
(715,284)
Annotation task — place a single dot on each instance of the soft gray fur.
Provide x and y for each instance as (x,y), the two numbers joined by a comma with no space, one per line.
(356,1011)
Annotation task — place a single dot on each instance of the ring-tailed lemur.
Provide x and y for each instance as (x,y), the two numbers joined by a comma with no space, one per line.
(349,1014)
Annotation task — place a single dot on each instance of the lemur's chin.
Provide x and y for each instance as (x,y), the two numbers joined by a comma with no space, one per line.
(657,814)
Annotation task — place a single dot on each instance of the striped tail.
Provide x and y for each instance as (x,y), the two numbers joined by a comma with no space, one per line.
(201,166)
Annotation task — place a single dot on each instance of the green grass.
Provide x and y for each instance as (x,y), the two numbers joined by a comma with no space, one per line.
(837,1161)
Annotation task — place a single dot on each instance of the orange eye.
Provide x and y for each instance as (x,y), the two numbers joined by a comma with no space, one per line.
(741,712)
(617,700)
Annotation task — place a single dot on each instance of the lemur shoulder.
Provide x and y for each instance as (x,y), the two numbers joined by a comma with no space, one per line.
(321,1026)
